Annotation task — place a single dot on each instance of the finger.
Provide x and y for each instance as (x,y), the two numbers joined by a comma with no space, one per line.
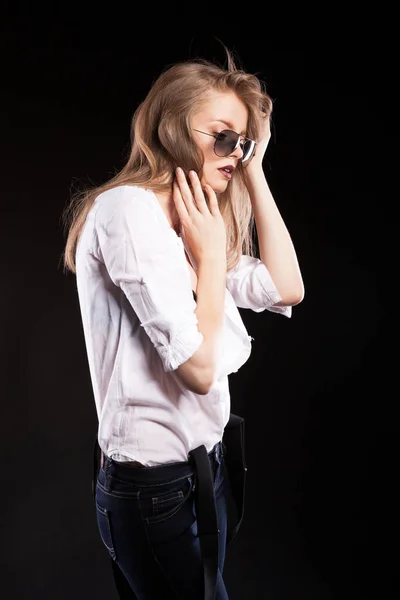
(184,189)
(179,203)
(198,192)
(212,198)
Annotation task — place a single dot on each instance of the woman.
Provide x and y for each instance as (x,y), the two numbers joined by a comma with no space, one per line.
(158,256)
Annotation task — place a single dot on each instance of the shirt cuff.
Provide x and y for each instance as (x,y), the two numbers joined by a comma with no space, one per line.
(184,339)
(271,294)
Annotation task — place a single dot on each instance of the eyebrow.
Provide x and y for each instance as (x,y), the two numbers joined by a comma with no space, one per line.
(229,125)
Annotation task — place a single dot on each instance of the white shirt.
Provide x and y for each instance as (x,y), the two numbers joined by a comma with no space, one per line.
(139,325)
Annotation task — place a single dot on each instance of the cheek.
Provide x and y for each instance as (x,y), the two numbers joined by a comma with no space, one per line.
(210,162)
(208,152)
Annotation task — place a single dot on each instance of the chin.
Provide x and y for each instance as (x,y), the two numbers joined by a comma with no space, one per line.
(217,184)
(218,189)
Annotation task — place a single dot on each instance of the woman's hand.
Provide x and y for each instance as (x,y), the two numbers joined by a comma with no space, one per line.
(204,227)
(262,143)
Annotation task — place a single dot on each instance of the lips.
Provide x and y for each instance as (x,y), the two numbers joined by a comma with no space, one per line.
(229,168)
(227,171)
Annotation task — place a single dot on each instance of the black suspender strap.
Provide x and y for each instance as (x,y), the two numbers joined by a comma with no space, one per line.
(206,513)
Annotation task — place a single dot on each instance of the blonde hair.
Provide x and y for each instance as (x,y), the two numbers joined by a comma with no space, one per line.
(161,140)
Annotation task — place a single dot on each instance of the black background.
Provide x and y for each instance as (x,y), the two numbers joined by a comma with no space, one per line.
(321,504)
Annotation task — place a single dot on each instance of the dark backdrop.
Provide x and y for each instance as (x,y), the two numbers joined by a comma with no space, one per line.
(320,441)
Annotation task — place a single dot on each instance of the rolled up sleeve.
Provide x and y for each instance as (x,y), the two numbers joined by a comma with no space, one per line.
(144,258)
(251,286)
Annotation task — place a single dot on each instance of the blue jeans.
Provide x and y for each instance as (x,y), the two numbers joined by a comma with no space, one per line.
(147,521)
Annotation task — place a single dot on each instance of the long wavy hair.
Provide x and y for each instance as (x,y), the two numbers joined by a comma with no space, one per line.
(161,140)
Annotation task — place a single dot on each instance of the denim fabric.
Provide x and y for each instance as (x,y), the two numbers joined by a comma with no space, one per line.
(147,522)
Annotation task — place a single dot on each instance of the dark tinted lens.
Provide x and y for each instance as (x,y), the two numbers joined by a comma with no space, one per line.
(247,148)
(225,142)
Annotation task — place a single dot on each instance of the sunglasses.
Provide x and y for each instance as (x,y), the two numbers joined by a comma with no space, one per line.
(227,141)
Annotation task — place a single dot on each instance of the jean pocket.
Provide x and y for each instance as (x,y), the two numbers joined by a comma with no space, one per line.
(104,526)
(163,502)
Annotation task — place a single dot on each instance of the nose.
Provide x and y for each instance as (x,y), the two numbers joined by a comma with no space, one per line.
(238,152)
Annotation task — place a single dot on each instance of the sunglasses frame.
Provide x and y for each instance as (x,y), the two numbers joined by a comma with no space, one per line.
(246,139)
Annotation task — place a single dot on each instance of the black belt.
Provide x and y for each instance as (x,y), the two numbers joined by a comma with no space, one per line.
(204,497)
